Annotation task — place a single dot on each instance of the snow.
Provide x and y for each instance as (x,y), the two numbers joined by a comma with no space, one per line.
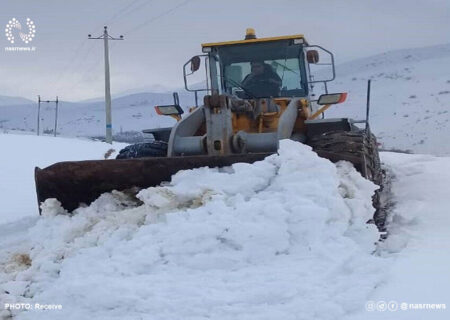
(284,238)
(22,153)
(410,97)
(281,238)
(419,237)
(133,112)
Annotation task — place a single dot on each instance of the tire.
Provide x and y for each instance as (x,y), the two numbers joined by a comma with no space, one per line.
(142,150)
(361,150)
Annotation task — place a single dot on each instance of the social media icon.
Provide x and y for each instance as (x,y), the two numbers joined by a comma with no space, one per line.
(392,306)
(370,305)
(382,306)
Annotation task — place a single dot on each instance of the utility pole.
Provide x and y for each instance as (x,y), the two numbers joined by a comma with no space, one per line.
(106,37)
(56,116)
(368,107)
(39,113)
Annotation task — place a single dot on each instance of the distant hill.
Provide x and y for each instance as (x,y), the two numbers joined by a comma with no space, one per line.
(133,112)
(13,101)
(410,107)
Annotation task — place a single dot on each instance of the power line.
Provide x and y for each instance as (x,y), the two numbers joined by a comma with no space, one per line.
(158,16)
(72,62)
(89,70)
(122,13)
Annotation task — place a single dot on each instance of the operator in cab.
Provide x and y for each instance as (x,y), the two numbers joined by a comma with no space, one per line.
(262,81)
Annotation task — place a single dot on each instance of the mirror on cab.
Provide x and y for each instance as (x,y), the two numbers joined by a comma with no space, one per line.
(195,63)
(332,98)
(169,110)
(172,109)
(194,71)
(312,56)
(322,71)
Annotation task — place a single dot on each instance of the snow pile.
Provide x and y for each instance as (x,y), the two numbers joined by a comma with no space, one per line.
(284,238)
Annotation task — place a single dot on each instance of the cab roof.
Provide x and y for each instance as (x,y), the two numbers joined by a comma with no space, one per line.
(256,40)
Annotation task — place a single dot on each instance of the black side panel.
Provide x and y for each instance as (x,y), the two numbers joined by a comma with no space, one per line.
(160,134)
(318,127)
(141,150)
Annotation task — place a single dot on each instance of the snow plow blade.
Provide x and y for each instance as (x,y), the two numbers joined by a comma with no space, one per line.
(77,182)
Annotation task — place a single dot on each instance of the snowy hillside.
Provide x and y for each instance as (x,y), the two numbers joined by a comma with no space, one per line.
(279,239)
(133,112)
(410,106)
(410,103)
(12,101)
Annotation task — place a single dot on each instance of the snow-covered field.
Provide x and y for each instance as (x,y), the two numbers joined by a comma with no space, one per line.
(133,112)
(21,153)
(410,105)
(418,248)
(279,239)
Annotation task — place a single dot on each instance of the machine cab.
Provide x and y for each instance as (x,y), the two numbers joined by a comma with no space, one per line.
(255,68)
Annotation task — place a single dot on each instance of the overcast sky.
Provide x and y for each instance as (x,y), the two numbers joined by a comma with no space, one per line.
(161,35)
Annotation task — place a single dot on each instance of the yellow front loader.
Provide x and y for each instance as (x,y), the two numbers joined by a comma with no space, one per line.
(257,91)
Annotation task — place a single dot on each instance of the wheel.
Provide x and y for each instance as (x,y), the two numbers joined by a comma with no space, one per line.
(141,150)
(361,149)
